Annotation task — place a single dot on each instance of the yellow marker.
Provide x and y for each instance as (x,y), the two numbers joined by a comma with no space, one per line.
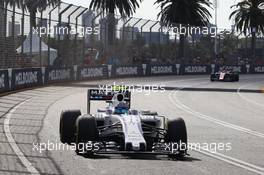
(119,88)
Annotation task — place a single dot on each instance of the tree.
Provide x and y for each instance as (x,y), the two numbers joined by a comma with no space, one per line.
(124,7)
(185,12)
(229,46)
(249,18)
(3,13)
(12,3)
(33,6)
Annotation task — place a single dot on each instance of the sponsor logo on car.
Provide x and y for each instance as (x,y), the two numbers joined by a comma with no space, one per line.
(222,76)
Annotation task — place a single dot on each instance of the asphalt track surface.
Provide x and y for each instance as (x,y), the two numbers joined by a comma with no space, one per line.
(222,113)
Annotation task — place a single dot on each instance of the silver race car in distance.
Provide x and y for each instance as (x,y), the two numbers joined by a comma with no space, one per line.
(118,129)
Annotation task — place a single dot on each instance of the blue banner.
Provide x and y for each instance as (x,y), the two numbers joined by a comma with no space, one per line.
(90,73)
(161,70)
(195,69)
(25,78)
(56,74)
(4,81)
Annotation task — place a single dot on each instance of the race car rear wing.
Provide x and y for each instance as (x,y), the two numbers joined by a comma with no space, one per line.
(105,95)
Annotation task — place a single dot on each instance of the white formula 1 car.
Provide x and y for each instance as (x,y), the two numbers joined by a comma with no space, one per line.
(117,129)
(225,75)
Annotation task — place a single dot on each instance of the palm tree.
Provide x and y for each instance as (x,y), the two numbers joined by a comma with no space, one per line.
(249,18)
(5,3)
(33,6)
(124,7)
(3,13)
(185,12)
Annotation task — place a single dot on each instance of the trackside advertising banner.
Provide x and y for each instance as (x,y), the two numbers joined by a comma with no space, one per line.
(126,71)
(89,73)
(24,78)
(161,70)
(240,69)
(195,70)
(4,81)
(256,69)
(53,74)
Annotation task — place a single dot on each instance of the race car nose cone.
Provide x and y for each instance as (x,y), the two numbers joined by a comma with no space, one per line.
(135,146)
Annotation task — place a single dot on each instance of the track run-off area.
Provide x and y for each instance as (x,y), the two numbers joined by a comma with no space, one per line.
(225,124)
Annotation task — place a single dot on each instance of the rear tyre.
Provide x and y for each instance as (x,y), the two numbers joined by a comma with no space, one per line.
(237,77)
(67,125)
(228,78)
(177,134)
(212,78)
(86,131)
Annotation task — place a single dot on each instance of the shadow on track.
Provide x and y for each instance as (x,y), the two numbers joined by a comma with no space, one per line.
(168,88)
(141,157)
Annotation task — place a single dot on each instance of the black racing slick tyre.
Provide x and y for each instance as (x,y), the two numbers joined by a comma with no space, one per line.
(212,78)
(176,131)
(228,78)
(67,125)
(177,134)
(237,77)
(86,131)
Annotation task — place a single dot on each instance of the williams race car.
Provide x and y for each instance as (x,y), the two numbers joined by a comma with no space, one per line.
(118,129)
(228,76)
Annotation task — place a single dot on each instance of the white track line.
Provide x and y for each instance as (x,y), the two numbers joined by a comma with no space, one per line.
(247,99)
(13,144)
(231,160)
(219,156)
(211,119)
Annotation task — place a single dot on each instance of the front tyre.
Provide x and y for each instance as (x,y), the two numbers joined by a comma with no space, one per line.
(177,134)
(67,125)
(86,131)
(212,77)
(237,77)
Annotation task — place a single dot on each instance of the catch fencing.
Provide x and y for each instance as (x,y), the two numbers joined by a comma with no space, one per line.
(66,35)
